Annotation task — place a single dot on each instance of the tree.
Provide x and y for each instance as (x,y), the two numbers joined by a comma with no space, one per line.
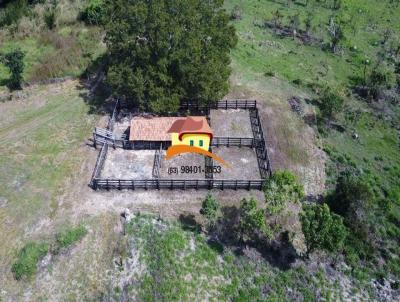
(352,199)
(379,78)
(336,33)
(322,229)
(281,188)
(330,103)
(14,61)
(164,51)
(294,23)
(251,219)
(209,209)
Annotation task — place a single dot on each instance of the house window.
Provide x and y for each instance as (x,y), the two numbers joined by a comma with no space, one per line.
(191,142)
(201,143)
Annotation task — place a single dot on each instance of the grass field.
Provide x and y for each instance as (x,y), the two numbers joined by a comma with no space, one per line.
(39,137)
(43,146)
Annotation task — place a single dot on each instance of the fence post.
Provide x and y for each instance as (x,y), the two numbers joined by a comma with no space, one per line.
(236,182)
(133,184)
(119,184)
(197,184)
(94,140)
(107,187)
(248,187)
(158,184)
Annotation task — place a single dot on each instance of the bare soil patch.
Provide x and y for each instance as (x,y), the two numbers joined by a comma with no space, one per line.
(128,164)
(187,159)
(243,163)
(231,122)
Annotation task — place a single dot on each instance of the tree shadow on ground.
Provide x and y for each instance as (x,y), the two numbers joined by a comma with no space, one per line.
(279,252)
(94,90)
(189,223)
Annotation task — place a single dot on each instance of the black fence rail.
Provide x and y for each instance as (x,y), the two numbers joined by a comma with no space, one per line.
(157,163)
(264,163)
(209,166)
(223,104)
(177,184)
(101,158)
(234,142)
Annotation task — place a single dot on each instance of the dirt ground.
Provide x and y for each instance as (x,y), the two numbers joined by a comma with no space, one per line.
(128,164)
(291,143)
(231,122)
(82,272)
(243,163)
(122,126)
(188,159)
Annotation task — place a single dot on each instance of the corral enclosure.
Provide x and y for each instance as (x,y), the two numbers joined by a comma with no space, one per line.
(238,139)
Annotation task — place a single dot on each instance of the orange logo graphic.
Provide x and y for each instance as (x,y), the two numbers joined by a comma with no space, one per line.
(191,135)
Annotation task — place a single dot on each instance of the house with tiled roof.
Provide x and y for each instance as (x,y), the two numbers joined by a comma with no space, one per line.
(190,131)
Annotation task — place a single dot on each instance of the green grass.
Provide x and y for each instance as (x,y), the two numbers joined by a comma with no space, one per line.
(28,258)
(375,156)
(34,53)
(70,236)
(180,265)
(38,158)
(264,52)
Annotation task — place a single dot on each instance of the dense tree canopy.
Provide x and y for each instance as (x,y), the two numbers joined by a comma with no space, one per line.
(322,229)
(164,51)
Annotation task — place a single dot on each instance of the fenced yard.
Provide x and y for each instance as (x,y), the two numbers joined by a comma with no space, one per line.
(239,140)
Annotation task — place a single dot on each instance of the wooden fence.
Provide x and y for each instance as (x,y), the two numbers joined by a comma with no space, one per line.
(101,158)
(234,142)
(261,149)
(209,183)
(177,184)
(157,163)
(223,104)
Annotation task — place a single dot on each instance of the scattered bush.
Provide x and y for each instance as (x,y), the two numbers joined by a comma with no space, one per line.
(281,188)
(13,11)
(352,199)
(322,229)
(28,258)
(50,19)
(209,209)
(252,220)
(94,12)
(70,236)
(330,103)
(380,77)
(236,13)
(14,61)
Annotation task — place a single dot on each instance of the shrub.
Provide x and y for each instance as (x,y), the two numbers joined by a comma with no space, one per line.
(322,229)
(281,188)
(379,78)
(93,13)
(70,236)
(252,220)
(14,11)
(28,257)
(50,19)
(14,61)
(209,209)
(330,103)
